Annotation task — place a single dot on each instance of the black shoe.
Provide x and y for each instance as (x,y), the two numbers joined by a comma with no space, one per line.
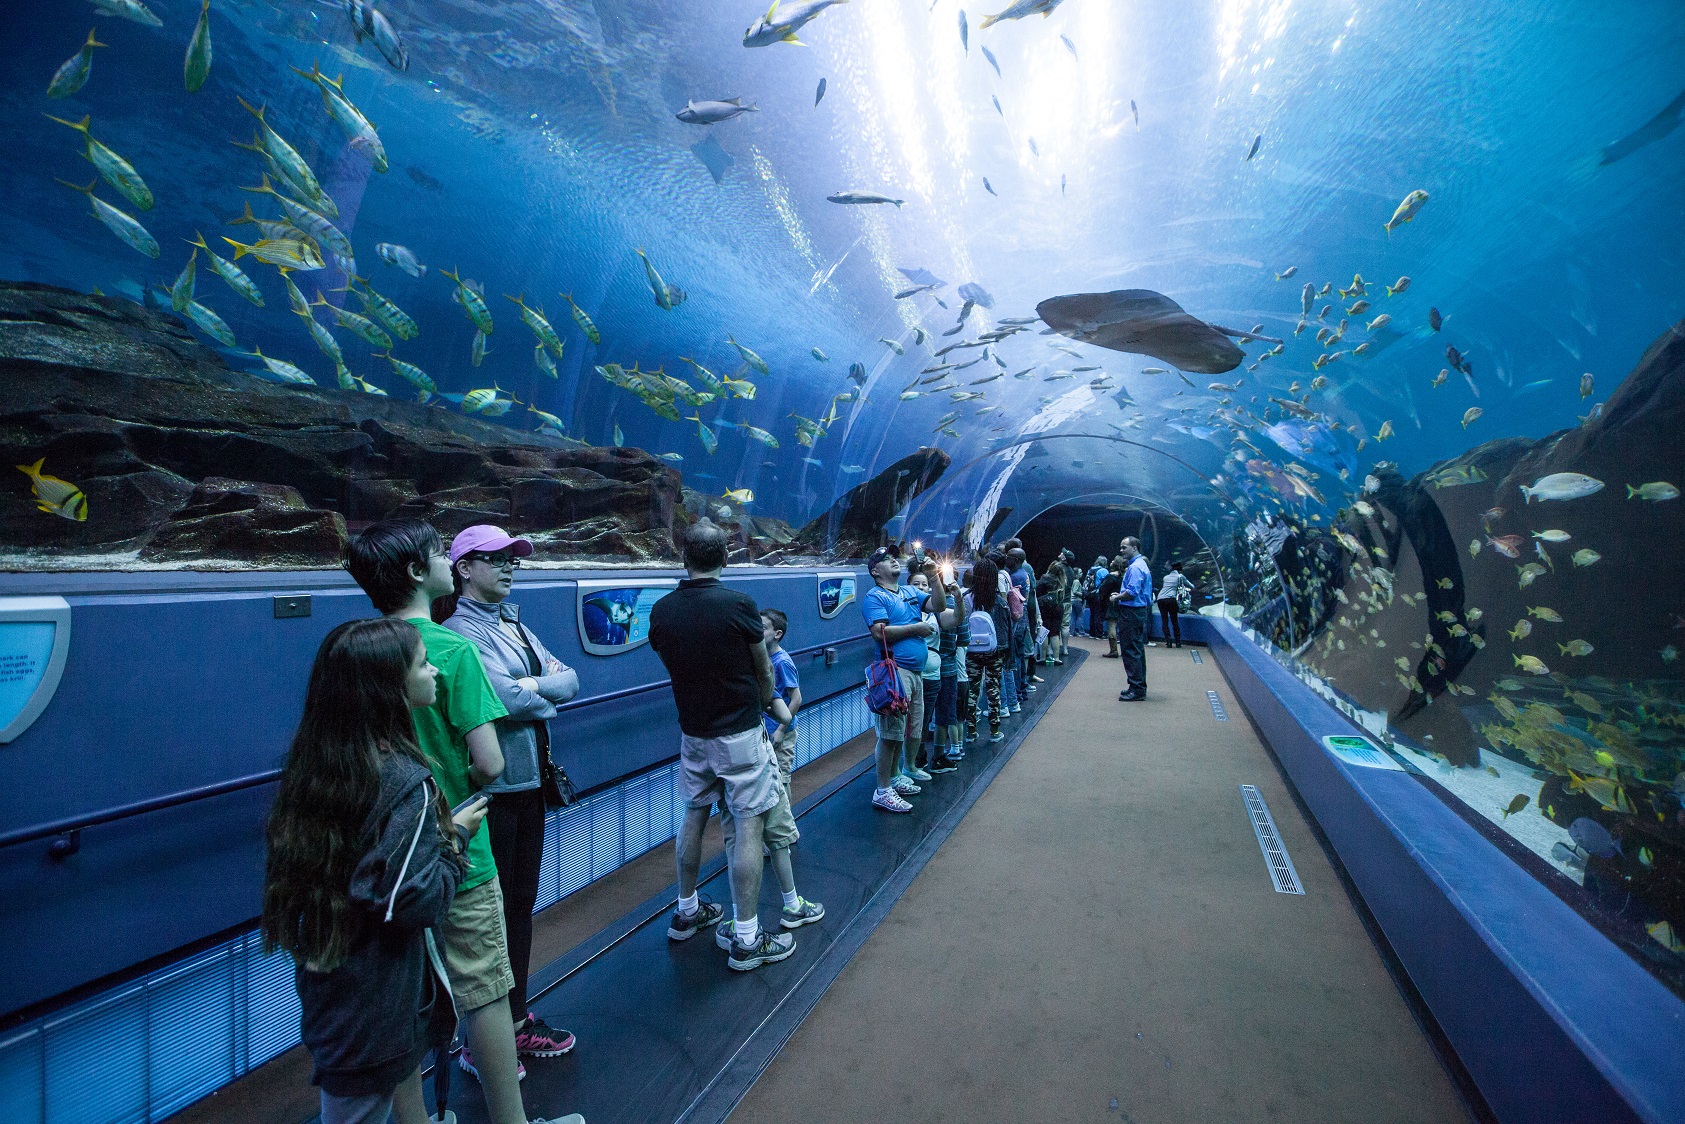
(941,765)
(683,928)
(1110,656)
(1131,696)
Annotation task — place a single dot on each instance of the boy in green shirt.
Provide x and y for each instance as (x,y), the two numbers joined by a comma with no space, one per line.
(403,566)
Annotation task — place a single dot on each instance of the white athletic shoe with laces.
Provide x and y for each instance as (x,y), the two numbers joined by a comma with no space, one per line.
(890,801)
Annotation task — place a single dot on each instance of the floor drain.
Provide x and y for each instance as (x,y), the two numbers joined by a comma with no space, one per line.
(1217,710)
(1197,657)
(1286,879)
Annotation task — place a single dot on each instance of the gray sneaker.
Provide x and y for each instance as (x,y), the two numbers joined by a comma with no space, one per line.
(683,928)
(767,950)
(805,913)
(570,1118)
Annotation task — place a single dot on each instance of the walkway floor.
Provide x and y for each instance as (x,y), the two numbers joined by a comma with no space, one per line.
(1099,940)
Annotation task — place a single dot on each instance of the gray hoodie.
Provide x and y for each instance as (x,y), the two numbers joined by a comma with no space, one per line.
(505,661)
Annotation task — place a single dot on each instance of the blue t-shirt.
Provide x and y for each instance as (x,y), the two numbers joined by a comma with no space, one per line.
(785,682)
(898,606)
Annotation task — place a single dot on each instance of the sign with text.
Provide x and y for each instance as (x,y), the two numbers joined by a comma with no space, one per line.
(34,639)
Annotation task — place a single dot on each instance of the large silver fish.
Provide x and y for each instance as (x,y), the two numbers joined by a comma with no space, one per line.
(774,28)
(1019,9)
(713,112)
(366,20)
(862,197)
(133,10)
(120,223)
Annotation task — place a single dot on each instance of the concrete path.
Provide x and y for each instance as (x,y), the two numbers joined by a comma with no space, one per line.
(1099,940)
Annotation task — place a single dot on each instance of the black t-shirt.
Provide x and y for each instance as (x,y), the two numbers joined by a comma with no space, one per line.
(703,632)
(1109,586)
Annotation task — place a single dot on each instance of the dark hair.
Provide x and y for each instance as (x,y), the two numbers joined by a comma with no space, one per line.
(1175,565)
(1016,552)
(355,709)
(780,622)
(1013,543)
(380,559)
(1132,541)
(705,545)
(985,584)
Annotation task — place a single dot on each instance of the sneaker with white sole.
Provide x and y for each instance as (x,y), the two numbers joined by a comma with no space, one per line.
(570,1118)
(904,785)
(683,928)
(805,913)
(466,1061)
(890,801)
(538,1039)
(768,949)
(943,765)
(919,774)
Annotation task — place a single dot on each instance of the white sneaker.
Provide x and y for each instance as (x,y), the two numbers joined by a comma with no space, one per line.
(889,801)
(919,774)
(904,785)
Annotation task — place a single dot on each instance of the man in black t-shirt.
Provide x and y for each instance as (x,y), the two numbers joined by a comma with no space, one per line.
(710,639)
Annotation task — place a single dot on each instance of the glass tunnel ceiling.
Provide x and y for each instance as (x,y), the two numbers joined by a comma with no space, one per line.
(534,146)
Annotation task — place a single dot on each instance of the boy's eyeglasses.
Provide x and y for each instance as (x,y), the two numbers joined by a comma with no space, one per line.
(497,561)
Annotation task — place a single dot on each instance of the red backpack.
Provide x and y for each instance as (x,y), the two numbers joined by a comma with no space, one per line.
(883,686)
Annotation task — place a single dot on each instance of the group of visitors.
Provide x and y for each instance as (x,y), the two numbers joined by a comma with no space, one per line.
(408,831)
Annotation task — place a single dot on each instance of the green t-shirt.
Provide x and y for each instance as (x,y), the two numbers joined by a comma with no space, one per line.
(465,701)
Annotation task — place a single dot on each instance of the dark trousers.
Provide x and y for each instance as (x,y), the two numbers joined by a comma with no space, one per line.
(1097,617)
(516,822)
(1133,621)
(1170,620)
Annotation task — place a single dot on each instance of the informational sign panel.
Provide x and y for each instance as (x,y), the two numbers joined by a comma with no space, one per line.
(614,616)
(34,638)
(835,591)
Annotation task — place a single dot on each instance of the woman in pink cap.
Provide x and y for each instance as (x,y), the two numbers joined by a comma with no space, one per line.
(530,682)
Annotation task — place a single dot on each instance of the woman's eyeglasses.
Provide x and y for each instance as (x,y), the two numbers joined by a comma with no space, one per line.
(497,561)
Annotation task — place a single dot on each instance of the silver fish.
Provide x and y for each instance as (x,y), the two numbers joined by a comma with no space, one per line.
(713,112)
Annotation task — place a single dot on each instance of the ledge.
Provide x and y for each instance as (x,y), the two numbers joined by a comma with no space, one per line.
(1550,1018)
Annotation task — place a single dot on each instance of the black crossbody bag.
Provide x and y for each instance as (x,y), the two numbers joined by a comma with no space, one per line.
(553,780)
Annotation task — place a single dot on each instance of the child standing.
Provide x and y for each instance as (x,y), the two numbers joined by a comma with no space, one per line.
(364,860)
(779,832)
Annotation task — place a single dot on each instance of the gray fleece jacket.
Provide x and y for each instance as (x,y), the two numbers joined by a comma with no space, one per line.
(505,661)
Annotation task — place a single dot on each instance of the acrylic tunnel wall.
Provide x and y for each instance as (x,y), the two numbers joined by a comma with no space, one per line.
(1380,302)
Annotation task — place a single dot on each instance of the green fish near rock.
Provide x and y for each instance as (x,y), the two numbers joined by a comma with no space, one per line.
(410,373)
(295,171)
(181,292)
(115,170)
(472,303)
(283,370)
(395,319)
(1515,805)
(73,75)
(534,318)
(233,275)
(316,226)
(361,326)
(359,132)
(197,68)
(124,225)
(710,442)
(210,323)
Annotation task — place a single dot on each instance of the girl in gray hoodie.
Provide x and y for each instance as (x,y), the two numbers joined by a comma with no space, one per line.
(364,857)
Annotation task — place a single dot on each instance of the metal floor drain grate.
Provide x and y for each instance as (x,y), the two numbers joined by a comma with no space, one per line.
(1286,879)
(1217,710)
(1197,657)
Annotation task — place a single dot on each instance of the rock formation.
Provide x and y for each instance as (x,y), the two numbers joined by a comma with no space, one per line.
(854,526)
(186,461)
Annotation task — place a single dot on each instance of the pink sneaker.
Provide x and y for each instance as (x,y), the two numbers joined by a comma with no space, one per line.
(466,1061)
(538,1039)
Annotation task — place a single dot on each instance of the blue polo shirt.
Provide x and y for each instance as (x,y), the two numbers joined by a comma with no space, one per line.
(899,606)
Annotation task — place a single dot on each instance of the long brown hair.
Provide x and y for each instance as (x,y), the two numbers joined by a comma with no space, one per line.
(355,709)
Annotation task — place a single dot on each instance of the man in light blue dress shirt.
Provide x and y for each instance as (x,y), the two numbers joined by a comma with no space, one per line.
(1134,604)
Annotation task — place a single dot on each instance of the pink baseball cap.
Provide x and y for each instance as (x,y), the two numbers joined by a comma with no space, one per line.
(488,539)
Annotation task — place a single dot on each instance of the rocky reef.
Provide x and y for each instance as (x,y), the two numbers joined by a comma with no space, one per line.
(854,526)
(187,462)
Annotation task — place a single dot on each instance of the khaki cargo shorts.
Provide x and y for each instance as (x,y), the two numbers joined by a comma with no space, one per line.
(477,948)
(900,727)
(739,770)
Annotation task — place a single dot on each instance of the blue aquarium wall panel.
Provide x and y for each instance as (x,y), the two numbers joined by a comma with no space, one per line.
(179,681)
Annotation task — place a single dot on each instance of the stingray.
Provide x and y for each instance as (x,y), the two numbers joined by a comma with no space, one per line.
(976,294)
(1146,323)
(715,158)
(1650,132)
(922,276)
